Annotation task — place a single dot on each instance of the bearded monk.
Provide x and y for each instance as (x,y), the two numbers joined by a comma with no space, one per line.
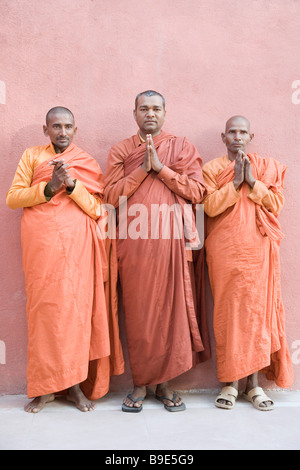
(150,169)
(245,197)
(73,341)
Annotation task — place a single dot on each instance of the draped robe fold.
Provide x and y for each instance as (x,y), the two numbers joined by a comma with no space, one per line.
(70,277)
(242,253)
(161,316)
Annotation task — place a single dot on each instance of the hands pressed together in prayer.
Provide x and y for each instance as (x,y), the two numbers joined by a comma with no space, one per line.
(151,161)
(243,170)
(60,176)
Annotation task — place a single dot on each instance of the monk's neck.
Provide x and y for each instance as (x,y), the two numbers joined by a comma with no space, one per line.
(231,156)
(143,136)
(58,150)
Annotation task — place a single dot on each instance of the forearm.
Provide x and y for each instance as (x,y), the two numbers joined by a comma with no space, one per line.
(89,203)
(182,185)
(120,185)
(221,199)
(18,196)
(263,196)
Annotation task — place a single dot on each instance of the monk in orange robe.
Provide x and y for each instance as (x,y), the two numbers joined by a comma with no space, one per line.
(70,274)
(151,169)
(242,251)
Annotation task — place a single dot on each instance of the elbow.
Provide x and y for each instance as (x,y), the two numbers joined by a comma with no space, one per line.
(10,202)
(209,212)
(276,211)
(208,209)
(199,195)
(106,198)
(110,200)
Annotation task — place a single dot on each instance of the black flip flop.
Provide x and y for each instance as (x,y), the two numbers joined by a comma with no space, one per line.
(133,409)
(174,408)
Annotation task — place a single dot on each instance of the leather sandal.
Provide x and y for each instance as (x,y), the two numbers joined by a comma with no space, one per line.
(260,397)
(228,393)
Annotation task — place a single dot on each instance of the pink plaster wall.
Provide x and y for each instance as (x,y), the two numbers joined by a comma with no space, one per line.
(210,58)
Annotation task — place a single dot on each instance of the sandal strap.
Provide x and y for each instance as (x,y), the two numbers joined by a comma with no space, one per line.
(228,390)
(135,400)
(228,393)
(259,395)
(173,399)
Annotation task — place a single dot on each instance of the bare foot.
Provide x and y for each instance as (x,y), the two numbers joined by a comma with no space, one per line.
(76,396)
(36,405)
(137,392)
(162,390)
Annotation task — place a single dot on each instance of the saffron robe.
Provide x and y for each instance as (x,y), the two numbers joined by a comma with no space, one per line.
(70,276)
(156,274)
(242,253)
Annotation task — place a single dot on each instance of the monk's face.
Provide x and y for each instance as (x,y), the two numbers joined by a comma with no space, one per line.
(61,129)
(150,114)
(237,135)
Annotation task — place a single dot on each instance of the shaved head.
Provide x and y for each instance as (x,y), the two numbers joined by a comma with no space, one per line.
(60,127)
(58,110)
(237,135)
(237,119)
(150,93)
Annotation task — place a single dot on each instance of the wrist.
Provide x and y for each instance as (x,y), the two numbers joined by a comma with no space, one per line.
(48,192)
(144,168)
(70,187)
(236,184)
(158,168)
(252,183)
(52,188)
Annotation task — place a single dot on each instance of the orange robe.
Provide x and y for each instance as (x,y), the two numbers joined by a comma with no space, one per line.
(70,277)
(162,321)
(242,252)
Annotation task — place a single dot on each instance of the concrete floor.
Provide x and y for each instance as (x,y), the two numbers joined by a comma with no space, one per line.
(60,426)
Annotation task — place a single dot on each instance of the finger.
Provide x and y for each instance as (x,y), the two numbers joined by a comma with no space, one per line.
(149,150)
(61,173)
(61,168)
(150,140)
(55,162)
(58,167)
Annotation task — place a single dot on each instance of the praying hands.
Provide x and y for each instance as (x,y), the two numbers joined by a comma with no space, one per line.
(151,161)
(243,170)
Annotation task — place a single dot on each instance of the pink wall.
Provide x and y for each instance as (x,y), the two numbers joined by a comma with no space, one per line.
(210,58)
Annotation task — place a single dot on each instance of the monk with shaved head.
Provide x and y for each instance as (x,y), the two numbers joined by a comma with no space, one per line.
(73,341)
(245,197)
